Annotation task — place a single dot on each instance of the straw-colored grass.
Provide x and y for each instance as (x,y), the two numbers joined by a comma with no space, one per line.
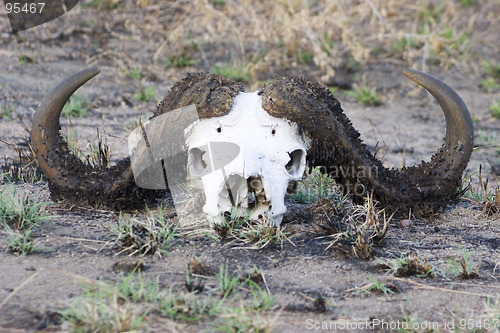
(331,34)
(314,38)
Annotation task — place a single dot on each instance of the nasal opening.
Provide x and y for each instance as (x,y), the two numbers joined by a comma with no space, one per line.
(295,165)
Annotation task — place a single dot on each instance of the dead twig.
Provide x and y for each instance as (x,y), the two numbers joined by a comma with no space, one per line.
(428,287)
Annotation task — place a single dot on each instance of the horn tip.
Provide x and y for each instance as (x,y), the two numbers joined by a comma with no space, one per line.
(412,74)
(94,70)
(419,77)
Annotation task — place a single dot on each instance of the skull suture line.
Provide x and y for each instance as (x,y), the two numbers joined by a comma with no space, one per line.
(265,160)
(271,155)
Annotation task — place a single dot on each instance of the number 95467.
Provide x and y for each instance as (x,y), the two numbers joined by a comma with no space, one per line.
(28,8)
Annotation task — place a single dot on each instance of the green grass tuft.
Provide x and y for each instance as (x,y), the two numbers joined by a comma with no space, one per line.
(365,94)
(180,61)
(125,305)
(316,185)
(145,95)
(6,109)
(133,73)
(493,70)
(464,266)
(76,106)
(495,109)
(153,235)
(20,216)
(376,286)
(490,85)
(468,3)
(237,73)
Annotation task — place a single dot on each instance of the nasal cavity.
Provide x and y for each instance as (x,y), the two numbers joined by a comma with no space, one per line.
(295,165)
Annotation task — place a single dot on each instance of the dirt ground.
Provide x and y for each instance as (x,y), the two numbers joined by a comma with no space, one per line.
(78,245)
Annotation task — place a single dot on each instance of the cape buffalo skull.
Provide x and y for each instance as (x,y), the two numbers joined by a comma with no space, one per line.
(296,121)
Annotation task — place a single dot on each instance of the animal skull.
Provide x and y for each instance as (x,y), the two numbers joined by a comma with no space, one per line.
(233,149)
(246,159)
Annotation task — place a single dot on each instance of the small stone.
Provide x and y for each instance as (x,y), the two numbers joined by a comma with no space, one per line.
(406,223)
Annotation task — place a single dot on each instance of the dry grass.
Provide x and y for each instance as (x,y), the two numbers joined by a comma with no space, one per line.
(408,266)
(359,227)
(260,35)
(265,38)
(240,231)
(483,196)
(268,37)
(153,234)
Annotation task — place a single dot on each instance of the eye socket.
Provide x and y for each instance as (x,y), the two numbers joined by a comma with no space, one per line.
(212,157)
(219,129)
(294,166)
(198,164)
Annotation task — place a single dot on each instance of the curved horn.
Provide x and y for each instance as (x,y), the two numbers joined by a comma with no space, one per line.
(459,128)
(337,148)
(68,177)
(45,131)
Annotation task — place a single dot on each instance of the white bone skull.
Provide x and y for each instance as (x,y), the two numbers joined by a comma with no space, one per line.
(246,160)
